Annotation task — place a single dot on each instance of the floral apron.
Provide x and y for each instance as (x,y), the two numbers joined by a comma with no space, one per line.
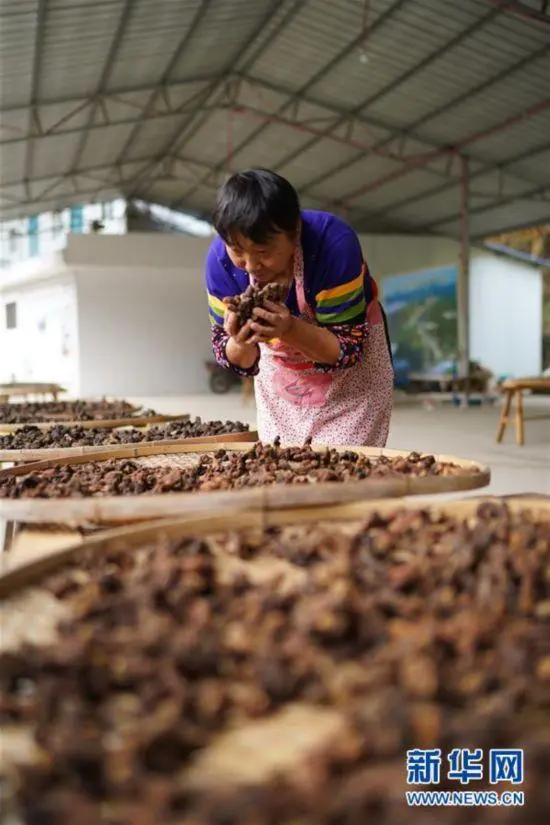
(345,407)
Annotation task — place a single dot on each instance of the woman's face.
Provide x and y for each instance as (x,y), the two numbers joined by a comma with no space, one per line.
(267,262)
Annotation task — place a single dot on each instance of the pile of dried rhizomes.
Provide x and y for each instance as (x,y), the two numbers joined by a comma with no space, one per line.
(142,482)
(282,674)
(60,435)
(78,410)
(262,465)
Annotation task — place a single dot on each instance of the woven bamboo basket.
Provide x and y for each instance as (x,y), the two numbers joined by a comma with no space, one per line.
(15,578)
(96,424)
(127,509)
(119,451)
(35,613)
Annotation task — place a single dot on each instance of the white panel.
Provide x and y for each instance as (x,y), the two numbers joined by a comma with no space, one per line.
(44,345)
(154,335)
(403,253)
(506,316)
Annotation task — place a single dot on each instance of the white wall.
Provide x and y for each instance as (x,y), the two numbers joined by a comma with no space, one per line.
(399,254)
(142,314)
(506,316)
(146,249)
(44,344)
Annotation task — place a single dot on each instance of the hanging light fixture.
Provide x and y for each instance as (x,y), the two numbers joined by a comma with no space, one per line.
(363,54)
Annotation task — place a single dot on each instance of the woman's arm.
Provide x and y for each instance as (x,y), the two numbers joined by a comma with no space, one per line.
(231,349)
(337,347)
(313,342)
(240,352)
(245,361)
(343,291)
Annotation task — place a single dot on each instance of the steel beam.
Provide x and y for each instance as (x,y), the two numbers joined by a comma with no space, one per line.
(390,87)
(353,44)
(87,197)
(192,109)
(367,121)
(487,169)
(107,167)
(450,104)
(112,94)
(35,86)
(516,227)
(538,189)
(54,129)
(420,162)
(106,71)
(165,77)
(479,210)
(410,162)
(177,141)
(526,12)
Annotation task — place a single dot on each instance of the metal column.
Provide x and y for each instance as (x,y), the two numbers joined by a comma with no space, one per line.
(463,284)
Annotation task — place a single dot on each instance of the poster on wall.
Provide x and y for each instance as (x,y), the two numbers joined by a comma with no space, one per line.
(422,318)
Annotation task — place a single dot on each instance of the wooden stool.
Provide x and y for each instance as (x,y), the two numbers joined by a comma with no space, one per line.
(514,390)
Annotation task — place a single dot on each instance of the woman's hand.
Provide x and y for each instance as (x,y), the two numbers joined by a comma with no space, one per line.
(240,335)
(241,349)
(275,321)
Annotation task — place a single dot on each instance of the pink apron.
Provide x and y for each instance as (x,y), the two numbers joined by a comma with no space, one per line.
(345,407)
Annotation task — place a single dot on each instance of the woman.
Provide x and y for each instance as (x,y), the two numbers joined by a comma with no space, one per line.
(322,359)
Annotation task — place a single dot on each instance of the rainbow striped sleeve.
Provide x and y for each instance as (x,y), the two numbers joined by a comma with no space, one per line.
(216,309)
(220,283)
(342,304)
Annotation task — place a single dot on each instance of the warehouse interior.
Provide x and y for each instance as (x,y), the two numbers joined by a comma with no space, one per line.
(423,126)
(426,131)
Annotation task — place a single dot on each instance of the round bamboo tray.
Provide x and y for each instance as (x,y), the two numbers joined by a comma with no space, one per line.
(33,615)
(18,577)
(119,451)
(96,424)
(126,509)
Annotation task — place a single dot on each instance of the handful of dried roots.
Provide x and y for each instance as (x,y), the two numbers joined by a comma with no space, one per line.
(254,297)
(410,630)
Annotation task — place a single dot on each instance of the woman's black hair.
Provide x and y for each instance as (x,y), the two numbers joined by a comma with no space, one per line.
(256,204)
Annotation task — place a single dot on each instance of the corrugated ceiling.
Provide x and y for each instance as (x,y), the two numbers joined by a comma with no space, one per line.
(365,106)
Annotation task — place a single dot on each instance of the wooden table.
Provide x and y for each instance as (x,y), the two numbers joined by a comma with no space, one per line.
(513,391)
(477,383)
(7,391)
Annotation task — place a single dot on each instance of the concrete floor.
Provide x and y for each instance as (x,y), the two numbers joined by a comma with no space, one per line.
(467,433)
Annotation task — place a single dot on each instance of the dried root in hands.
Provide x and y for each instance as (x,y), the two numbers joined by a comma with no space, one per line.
(254,297)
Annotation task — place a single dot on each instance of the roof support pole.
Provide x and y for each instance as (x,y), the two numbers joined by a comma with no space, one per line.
(463,283)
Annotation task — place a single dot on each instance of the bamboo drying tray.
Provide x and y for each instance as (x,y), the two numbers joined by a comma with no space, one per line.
(119,450)
(16,578)
(239,755)
(96,423)
(126,509)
